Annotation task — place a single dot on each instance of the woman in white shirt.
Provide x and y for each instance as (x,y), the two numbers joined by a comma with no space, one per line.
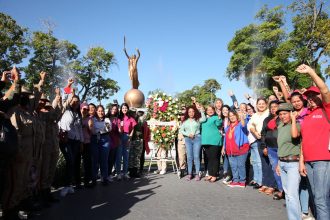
(255,127)
(100,140)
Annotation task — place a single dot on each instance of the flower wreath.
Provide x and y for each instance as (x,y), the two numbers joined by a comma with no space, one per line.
(163,108)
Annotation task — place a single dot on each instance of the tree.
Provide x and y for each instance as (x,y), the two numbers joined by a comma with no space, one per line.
(13,42)
(53,56)
(89,71)
(204,94)
(264,49)
(254,47)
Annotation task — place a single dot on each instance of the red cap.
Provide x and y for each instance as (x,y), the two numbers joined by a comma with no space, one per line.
(312,89)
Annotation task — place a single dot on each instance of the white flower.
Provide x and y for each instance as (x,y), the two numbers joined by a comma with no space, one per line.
(166,139)
(160,103)
(166,100)
(170,108)
(176,99)
(176,112)
(150,96)
(164,94)
(176,106)
(170,98)
(157,131)
(160,140)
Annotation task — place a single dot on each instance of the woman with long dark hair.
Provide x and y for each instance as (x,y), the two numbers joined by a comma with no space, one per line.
(113,115)
(236,146)
(190,129)
(101,128)
(127,124)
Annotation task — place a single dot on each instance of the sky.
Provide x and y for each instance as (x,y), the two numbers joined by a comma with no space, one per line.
(182,42)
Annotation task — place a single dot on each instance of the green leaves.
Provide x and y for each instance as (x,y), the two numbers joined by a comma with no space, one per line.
(13,43)
(264,49)
(204,94)
(91,71)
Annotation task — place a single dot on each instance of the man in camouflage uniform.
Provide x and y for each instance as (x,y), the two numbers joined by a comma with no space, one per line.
(18,172)
(136,146)
(50,114)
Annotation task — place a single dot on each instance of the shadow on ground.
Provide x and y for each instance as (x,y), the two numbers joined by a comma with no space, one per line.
(102,202)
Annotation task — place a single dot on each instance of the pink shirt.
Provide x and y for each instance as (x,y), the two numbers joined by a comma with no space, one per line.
(129,124)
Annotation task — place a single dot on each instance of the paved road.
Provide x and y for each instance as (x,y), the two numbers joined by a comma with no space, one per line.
(165,197)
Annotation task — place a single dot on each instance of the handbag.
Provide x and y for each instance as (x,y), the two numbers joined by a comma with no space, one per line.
(63,136)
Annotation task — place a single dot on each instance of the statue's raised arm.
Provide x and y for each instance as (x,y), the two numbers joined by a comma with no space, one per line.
(126,53)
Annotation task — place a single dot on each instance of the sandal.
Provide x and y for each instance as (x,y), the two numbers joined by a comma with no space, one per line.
(278,196)
(269,191)
(262,189)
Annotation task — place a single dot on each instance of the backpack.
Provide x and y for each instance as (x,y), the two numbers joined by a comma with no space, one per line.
(8,139)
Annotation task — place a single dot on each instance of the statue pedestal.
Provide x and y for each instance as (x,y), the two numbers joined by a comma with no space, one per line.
(134,98)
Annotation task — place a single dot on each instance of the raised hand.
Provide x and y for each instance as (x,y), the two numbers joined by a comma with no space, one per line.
(15,74)
(70,81)
(293,114)
(247,96)
(275,89)
(302,90)
(42,75)
(282,78)
(230,93)
(303,68)
(276,79)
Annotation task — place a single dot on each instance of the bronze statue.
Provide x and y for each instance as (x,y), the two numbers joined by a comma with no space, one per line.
(132,68)
(133,97)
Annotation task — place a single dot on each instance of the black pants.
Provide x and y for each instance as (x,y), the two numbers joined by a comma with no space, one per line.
(213,157)
(72,156)
(203,155)
(111,159)
(142,158)
(268,178)
(87,159)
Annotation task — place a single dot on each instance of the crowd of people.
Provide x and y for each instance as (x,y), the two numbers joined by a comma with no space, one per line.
(278,145)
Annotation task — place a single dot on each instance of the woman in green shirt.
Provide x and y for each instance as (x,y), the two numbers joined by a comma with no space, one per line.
(190,129)
(211,141)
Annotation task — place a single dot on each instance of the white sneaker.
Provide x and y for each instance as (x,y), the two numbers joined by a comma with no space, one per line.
(64,191)
(70,190)
(162,172)
(110,178)
(126,176)
(156,172)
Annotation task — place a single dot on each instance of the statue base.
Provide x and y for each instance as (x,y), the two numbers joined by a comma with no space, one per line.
(134,98)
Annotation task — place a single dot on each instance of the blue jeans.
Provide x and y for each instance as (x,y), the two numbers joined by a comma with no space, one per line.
(122,152)
(225,164)
(193,147)
(100,153)
(318,174)
(237,164)
(256,163)
(304,195)
(290,181)
(273,159)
